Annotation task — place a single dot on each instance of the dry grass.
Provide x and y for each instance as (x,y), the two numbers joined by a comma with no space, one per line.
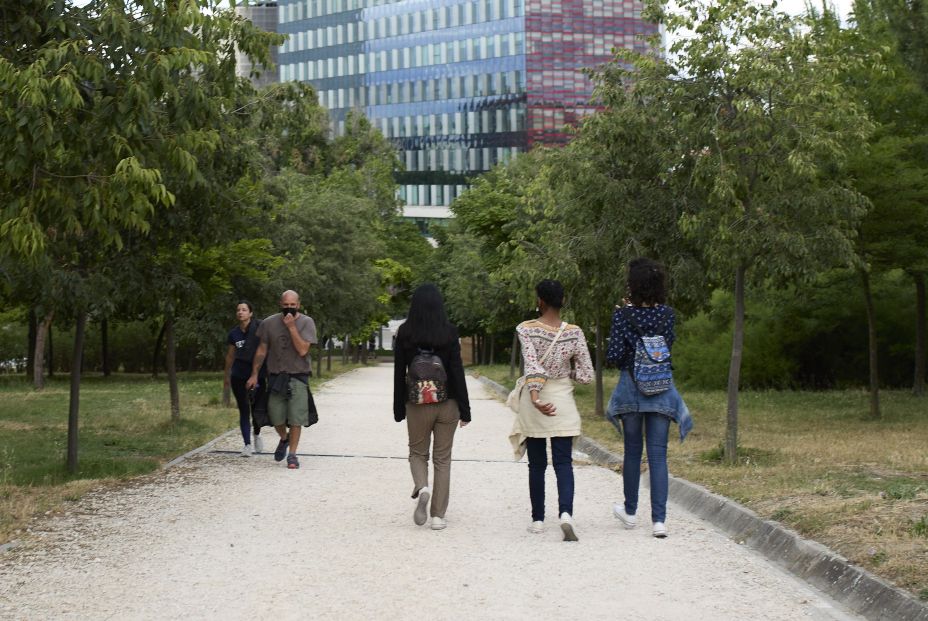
(813,461)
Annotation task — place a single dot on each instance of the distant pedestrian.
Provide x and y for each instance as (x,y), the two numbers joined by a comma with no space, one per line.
(427,345)
(643,314)
(285,339)
(546,407)
(243,342)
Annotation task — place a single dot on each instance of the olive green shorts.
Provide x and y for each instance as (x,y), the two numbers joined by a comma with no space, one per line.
(294,411)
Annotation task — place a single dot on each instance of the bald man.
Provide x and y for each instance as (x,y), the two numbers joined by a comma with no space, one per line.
(284,339)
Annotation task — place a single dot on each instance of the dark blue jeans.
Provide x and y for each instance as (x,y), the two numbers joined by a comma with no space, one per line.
(244,410)
(655,428)
(562,456)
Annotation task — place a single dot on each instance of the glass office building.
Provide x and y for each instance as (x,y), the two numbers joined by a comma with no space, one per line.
(457,85)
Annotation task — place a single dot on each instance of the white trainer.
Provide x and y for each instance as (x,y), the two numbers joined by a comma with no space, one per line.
(247,451)
(567,525)
(258,443)
(660,531)
(536,527)
(618,510)
(422,507)
(438,523)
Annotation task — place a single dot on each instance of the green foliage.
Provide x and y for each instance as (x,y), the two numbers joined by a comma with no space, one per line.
(807,336)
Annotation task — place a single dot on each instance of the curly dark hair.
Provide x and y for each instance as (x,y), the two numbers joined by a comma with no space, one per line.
(551,292)
(647,282)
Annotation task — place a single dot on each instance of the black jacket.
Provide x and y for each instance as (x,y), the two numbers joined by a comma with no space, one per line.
(450,354)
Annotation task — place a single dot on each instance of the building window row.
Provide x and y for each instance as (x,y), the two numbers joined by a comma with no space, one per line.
(496,121)
(403,22)
(457,159)
(464,50)
(457,87)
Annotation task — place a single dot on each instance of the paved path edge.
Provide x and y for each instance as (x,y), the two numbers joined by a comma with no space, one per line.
(854,587)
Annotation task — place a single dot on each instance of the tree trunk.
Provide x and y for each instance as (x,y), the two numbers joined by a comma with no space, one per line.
(918,386)
(513,355)
(492,349)
(74,406)
(157,350)
(600,360)
(30,345)
(473,349)
(171,365)
(346,344)
(734,369)
(328,358)
(41,334)
(872,346)
(319,361)
(50,364)
(105,346)
(362,350)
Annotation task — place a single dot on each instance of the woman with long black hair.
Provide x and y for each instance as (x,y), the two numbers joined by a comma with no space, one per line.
(428,335)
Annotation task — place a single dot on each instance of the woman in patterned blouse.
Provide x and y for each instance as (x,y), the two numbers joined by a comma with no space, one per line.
(555,353)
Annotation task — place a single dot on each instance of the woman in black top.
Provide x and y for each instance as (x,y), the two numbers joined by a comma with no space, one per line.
(427,328)
(243,342)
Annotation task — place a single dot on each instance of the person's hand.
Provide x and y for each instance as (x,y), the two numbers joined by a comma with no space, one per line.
(289,320)
(252,382)
(547,409)
(464,423)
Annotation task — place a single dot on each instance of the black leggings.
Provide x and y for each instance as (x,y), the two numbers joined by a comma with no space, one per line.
(244,411)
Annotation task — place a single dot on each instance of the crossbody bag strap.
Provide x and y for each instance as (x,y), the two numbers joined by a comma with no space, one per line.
(551,346)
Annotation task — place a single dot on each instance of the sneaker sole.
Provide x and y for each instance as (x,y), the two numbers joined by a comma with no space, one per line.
(569,534)
(420,516)
(442,527)
(627,525)
(660,535)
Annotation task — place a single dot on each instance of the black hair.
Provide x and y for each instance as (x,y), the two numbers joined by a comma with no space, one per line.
(427,323)
(246,303)
(551,292)
(647,282)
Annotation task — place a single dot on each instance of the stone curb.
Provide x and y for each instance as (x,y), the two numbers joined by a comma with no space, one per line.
(198,450)
(854,587)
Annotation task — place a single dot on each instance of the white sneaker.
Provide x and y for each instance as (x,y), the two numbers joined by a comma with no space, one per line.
(422,507)
(567,525)
(247,451)
(660,531)
(536,527)
(438,523)
(258,443)
(618,510)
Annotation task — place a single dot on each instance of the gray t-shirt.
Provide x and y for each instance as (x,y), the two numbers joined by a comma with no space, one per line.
(281,354)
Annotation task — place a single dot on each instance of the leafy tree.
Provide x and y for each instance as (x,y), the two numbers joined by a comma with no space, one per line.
(893,173)
(98,105)
(764,126)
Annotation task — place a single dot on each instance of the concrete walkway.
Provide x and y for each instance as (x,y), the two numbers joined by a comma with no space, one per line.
(224,537)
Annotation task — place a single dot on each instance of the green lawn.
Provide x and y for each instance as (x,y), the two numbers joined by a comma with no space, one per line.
(125,430)
(813,461)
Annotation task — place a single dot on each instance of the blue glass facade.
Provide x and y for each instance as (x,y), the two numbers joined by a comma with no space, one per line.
(443,79)
(457,85)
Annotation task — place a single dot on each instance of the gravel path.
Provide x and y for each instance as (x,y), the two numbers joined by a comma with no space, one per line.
(223,537)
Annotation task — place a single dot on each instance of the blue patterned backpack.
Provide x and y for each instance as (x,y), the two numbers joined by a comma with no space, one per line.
(652,371)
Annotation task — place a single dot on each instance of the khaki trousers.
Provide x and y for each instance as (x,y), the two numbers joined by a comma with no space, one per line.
(422,422)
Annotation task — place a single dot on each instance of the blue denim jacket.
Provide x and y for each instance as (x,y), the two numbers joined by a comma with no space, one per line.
(626,399)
